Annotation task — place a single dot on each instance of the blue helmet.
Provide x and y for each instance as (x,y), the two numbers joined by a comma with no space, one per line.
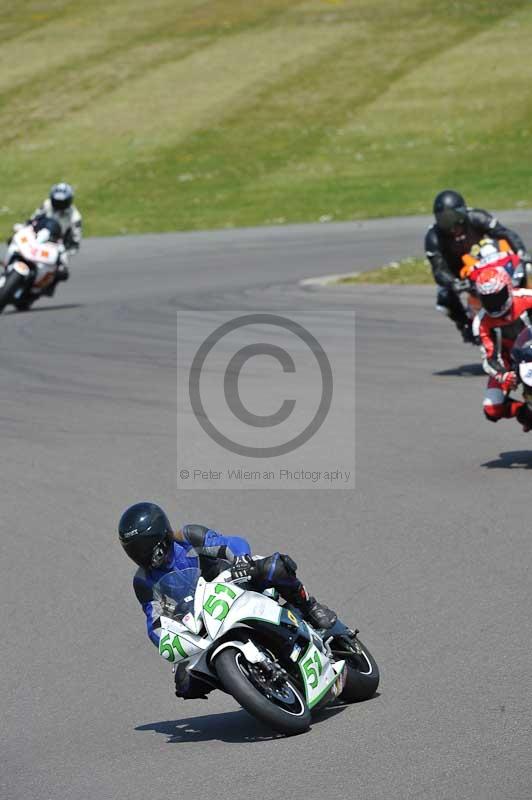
(145,534)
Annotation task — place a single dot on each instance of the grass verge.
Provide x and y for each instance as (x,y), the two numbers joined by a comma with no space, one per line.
(407,271)
(218,113)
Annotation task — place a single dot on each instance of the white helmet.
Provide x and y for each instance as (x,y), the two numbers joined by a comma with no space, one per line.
(61,196)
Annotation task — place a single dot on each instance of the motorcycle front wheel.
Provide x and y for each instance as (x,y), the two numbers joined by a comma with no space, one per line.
(361,674)
(277,702)
(12,283)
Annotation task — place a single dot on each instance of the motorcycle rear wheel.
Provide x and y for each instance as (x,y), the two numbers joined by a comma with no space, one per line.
(24,304)
(278,704)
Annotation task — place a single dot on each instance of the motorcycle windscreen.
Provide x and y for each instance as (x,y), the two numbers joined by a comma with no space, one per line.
(175,592)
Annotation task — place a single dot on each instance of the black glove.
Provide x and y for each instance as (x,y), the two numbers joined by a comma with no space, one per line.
(243,568)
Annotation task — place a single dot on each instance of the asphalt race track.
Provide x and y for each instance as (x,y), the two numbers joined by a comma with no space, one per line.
(429,556)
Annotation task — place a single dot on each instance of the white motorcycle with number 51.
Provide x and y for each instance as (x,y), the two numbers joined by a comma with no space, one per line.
(264,654)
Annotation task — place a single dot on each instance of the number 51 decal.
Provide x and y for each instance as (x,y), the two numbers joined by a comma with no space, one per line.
(313,669)
(215,603)
(169,650)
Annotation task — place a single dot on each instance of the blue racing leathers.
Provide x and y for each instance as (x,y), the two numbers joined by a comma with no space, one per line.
(202,548)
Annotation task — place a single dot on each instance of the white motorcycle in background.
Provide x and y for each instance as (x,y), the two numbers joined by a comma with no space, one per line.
(264,654)
(32,264)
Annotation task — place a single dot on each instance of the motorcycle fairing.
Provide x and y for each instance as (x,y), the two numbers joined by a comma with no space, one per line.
(318,674)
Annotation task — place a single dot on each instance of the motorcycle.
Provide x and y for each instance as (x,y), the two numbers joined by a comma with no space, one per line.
(521,358)
(31,267)
(275,665)
(487,253)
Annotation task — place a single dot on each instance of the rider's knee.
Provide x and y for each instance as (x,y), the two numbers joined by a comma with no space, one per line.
(442,300)
(493,412)
(277,569)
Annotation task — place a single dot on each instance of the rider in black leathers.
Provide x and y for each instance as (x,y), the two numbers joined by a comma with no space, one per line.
(456,230)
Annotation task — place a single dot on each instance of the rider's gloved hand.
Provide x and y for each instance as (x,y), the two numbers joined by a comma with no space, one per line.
(243,568)
(507,380)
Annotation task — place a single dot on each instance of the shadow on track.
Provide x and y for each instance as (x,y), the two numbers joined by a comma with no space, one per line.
(236,727)
(466,370)
(60,307)
(513,459)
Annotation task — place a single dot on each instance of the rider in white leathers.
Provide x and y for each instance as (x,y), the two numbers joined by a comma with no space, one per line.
(60,206)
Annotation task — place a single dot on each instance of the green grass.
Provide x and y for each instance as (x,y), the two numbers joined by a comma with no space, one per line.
(407,271)
(216,113)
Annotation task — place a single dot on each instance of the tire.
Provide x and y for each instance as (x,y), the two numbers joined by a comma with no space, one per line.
(23,305)
(239,678)
(13,280)
(362,676)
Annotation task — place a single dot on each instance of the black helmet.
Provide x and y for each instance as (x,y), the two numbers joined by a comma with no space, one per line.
(49,224)
(61,196)
(145,534)
(449,209)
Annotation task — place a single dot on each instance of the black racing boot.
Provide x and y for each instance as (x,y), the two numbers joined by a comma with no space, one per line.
(317,614)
